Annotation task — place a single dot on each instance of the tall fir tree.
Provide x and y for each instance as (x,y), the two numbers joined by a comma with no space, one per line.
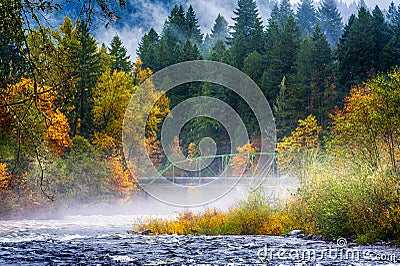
(330,20)
(247,32)
(120,59)
(88,59)
(361,3)
(192,28)
(12,62)
(393,16)
(218,51)
(147,50)
(207,46)
(357,60)
(281,57)
(220,30)
(381,35)
(285,11)
(306,17)
(175,27)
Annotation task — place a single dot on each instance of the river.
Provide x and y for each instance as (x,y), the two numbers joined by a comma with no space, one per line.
(103,240)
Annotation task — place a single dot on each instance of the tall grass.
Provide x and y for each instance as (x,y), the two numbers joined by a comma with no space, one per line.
(251,216)
(335,199)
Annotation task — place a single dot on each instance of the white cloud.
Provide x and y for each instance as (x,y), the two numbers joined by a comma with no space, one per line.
(151,15)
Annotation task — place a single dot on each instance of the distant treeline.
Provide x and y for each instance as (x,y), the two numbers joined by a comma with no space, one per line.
(305,62)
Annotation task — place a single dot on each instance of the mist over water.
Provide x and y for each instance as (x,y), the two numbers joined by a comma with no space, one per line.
(97,235)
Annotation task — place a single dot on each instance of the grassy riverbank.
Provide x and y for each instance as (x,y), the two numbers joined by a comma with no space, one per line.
(365,209)
(335,199)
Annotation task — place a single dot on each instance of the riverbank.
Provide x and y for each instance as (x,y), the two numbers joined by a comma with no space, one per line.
(99,239)
(360,208)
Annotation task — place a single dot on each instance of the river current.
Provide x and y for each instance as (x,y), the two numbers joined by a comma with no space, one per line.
(104,240)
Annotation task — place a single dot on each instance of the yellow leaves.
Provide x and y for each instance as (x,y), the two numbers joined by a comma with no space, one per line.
(157,114)
(306,137)
(111,97)
(104,141)
(140,73)
(366,128)
(275,224)
(245,160)
(155,151)
(57,133)
(37,116)
(139,120)
(193,150)
(26,90)
(5,177)
(296,151)
(122,179)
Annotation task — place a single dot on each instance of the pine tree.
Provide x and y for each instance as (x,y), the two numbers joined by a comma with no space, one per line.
(358,57)
(285,11)
(283,113)
(175,27)
(324,96)
(393,16)
(390,56)
(274,13)
(147,50)
(88,60)
(361,4)
(281,58)
(163,55)
(330,20)
(120,60)
(239,51)
(12,62)
(381,35)
(253,63)
(306,17)
(192,28)
(247,32)
(218,51)
(190,52)
(219,30)
(207,46)
(341,44)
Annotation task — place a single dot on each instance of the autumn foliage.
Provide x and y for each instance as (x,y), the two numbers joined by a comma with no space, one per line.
(122,179)
(38,114)
(4,177)
(244,160)
(367,128)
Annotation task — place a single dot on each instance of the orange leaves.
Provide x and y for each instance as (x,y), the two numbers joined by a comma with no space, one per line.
(26,90)
(57,133)
(122,180)
(367,127)
(155,151)
(36,115)
(244,161)
(5,177)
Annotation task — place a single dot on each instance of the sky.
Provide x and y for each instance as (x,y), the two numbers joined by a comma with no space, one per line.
(206,10)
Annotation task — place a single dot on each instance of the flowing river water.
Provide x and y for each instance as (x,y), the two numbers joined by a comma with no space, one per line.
(103,240)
